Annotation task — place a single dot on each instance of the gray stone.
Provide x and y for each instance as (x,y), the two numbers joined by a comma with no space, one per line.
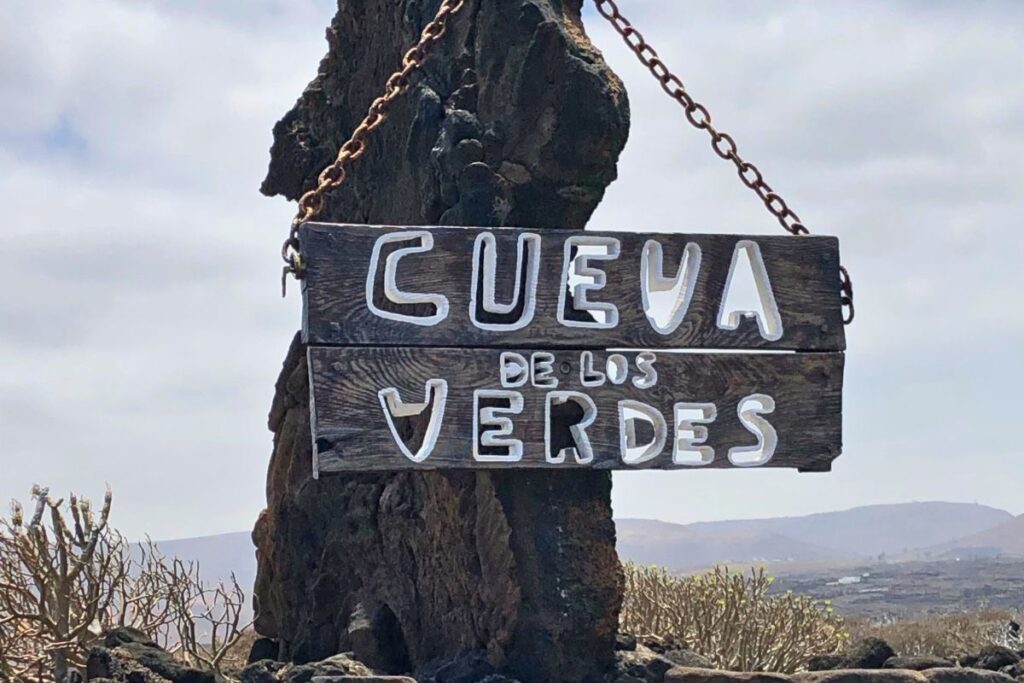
(825,663)
(689,658)
(681,674)
(918,663)
(964,675)
(861,676)
(134,662)
(338,665)
(641,663)
(263,671)
(125,634)
(995,657)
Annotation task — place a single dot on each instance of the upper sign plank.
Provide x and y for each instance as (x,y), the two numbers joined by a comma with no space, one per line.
(505,287)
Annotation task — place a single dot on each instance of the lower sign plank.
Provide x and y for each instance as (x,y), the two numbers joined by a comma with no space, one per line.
(376,408)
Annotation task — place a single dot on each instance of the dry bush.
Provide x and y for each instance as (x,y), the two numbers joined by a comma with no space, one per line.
(729,618)
(64,582)
(944,635)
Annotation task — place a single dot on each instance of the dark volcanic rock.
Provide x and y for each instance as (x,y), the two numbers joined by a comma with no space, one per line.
(262,671)
(640,664)
(516,121)
(134,658)
(966,676)
(861,676)
(917,663)
(124,635)
(995,657)
(689,658)
(825,662)
(338,665)
(869,653)
(263,648)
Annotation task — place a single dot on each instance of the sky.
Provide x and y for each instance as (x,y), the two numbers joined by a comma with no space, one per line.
(141,325)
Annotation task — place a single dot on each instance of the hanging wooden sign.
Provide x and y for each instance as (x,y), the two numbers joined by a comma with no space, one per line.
(466,347)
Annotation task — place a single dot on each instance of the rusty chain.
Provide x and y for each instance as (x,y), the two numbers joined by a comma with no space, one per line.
(722,143)
(312,202)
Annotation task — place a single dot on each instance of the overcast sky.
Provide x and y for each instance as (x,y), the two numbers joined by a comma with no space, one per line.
(141,328)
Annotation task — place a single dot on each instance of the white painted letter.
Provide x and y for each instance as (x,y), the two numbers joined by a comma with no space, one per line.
(542,370)
(633,453)
(607,315)
(689,433)
(514,370)
(645,364)
(485,250)
(494,416)
(617,368)
(424,242)
(435,396)
(750,410)
(769,322)
(590,377)
(666,299)
(580,442)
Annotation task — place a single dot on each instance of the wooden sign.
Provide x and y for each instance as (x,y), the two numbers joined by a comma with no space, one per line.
(485,348)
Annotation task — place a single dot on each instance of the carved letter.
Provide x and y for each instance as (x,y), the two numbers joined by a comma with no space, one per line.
(689,434)
(645,364)
(577,412)
(424,242)
(580,303)
(482,296)
(750,410)
(542,370)
(666,299)
(590,377)
(435,396)
(769,322)
(494,416)
(514,370)
(633,453)
(617,368)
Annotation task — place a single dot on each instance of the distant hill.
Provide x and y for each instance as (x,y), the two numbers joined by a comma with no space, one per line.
(1004,539)
(218,556)
(679,546)
(860,532)
(938,528)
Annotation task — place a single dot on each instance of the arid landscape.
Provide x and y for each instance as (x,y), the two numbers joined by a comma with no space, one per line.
(878,561)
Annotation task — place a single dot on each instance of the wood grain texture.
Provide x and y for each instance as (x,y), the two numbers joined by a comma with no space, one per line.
(803,272)
(351,433)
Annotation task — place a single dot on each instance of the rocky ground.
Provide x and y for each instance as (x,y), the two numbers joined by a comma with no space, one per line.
(128,656)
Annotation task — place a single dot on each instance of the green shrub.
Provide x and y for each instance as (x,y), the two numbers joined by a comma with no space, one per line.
(729,618)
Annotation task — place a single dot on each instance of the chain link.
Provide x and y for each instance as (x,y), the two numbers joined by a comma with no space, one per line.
(722,143)
(312,202)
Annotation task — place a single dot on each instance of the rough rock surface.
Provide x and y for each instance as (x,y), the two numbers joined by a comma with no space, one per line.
(994,658)
(917,663)
(639,664)
(516,121)
(966,676)
(861,676)
(129,656)
(695,675)
(869,653)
